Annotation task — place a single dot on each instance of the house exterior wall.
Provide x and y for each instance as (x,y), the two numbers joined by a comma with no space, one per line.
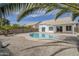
(64,28)
(52,30)
(72,28)
(41,26)
(46,28)
(77,28)
(55,29)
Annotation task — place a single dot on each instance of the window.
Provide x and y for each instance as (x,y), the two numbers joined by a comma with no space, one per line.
(68,28)
(50,28)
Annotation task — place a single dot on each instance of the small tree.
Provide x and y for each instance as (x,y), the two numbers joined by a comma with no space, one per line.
(4,22)
(4,25)
(6,29)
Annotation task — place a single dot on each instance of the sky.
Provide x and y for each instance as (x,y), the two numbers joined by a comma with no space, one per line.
(35,17)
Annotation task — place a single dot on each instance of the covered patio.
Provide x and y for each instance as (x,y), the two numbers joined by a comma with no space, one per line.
(65,28)
(64,25)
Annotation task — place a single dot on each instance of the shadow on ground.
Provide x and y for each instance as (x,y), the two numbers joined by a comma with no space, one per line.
(68,43)
(4,51)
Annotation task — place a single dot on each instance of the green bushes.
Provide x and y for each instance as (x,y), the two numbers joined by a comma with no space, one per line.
(6,28)
(11,29)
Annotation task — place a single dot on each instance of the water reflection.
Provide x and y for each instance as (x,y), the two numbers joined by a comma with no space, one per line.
(42,36)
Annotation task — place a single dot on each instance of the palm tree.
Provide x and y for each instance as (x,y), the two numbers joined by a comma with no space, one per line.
(7,8)
(28,8)
(4,22)
(64,8)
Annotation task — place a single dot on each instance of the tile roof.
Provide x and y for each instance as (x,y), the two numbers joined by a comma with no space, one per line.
(65,20)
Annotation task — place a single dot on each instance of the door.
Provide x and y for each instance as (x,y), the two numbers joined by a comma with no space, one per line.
(43,29)
(59,28)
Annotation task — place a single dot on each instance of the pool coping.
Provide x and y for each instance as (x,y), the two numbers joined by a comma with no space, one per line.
(28,37)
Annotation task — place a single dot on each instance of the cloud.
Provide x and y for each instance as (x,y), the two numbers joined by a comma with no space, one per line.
(37,13)
(34,15)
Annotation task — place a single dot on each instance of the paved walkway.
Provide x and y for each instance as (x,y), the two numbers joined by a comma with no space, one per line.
(18,45)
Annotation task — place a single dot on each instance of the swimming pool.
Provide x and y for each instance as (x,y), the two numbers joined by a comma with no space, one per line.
(42,36)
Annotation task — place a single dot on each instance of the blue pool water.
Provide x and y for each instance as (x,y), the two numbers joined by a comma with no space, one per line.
(42,36)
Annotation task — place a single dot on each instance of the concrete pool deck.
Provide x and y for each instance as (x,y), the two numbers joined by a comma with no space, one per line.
(18,43)
(59,35)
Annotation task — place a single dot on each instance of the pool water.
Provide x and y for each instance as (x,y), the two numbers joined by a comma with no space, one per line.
(42,36)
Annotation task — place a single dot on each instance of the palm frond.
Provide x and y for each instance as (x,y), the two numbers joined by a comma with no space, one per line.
(74,16)
(61,12)
(72,7)
(7,8)
(53,6)
(35,6)
(30,8)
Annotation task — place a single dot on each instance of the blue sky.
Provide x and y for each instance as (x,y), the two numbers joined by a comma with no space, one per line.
(38,16)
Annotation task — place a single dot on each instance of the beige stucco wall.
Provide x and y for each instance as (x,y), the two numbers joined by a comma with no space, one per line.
(54,28)
(72,31)
(46,28)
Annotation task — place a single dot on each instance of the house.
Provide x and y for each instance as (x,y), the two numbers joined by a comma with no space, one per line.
(65,25)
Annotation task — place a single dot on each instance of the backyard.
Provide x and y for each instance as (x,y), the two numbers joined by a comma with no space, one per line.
(37,39)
